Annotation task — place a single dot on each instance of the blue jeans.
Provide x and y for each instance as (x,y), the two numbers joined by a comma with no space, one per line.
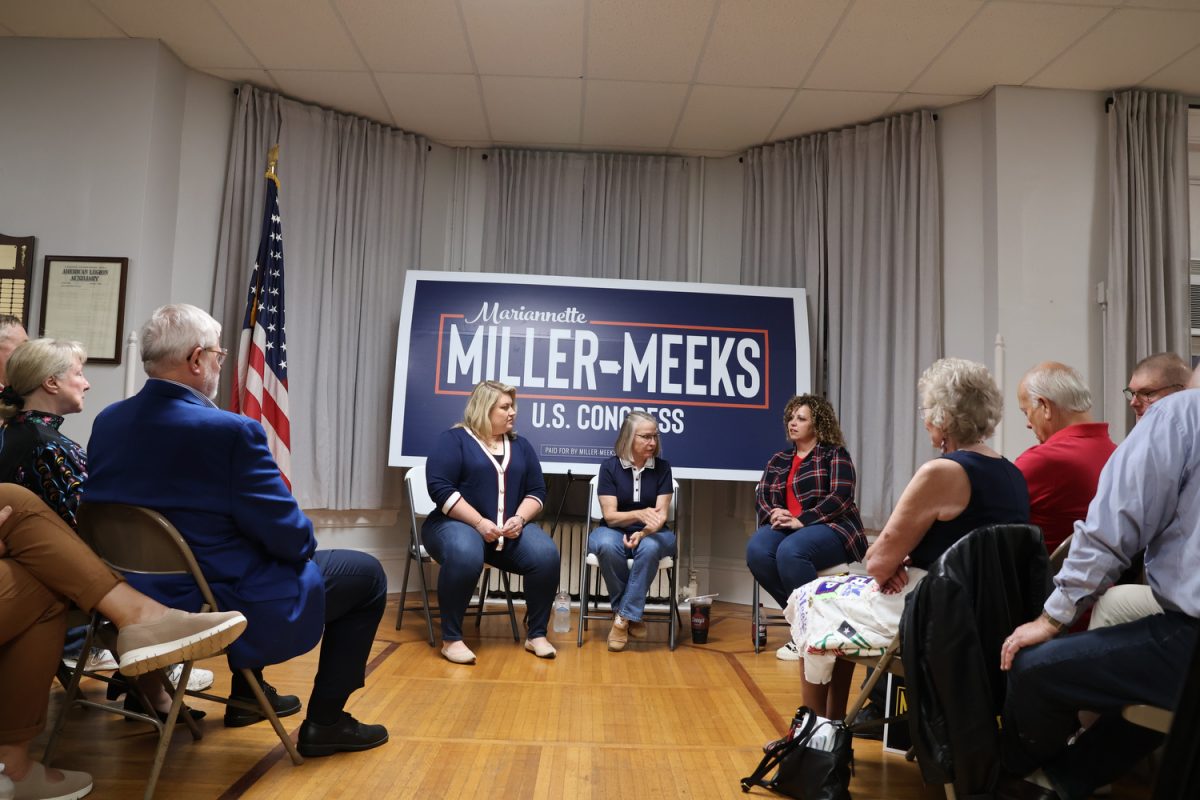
(1102,670)
(627,588)
(461,552)
(783,561)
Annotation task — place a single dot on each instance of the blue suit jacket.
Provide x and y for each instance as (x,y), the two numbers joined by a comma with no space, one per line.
(211,474)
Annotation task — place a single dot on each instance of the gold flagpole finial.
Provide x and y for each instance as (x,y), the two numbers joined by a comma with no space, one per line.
(272,162)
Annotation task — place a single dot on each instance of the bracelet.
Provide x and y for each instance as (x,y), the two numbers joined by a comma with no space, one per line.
(482,520)
(524,521)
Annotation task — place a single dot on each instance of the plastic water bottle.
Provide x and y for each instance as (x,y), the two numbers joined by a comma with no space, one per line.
(7,790)
(562,612)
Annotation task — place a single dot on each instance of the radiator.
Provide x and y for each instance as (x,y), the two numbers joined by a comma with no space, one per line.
(571,538)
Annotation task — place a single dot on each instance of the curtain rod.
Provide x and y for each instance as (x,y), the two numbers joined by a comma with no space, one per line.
(1108,101)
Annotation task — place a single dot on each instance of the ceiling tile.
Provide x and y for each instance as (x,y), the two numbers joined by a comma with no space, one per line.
(441,107)
(1105,59)
(526,37)
(1181,76)
(882,45)
(646,41)
(352,92)
(533,109)
(69,19)
(629,114)
(729,118)
(291,34)
(7,31)
(194,31)
(985,53)
(814,110)
(258,77)
(1109,3)
(911,101)
(407,35)
(767,42)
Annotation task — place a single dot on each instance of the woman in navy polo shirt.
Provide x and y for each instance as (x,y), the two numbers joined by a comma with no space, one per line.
(635,489)
(487,485)
(806,513)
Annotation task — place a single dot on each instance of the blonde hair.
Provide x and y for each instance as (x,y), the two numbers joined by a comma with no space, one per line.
(477,415)
(960,397)
(33,362)
(624,446)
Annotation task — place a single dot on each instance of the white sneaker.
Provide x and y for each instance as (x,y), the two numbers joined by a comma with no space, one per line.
(100,660)
(198,680)
(789,652)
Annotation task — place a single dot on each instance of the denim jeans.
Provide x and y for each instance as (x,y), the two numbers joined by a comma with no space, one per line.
(627,587)
(1101,670)
(461,552)
(783,561)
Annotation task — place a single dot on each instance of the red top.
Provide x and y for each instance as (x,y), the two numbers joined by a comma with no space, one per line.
(795,507)
(1061,473)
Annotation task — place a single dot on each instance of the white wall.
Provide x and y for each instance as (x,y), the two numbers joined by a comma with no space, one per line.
(92,162)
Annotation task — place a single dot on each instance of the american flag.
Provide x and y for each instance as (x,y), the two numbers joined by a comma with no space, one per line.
(260,385)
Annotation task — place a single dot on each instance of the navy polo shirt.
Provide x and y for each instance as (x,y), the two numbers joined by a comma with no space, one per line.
(616,480)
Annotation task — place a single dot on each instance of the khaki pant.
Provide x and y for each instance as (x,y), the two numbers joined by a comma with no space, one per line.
(44,569)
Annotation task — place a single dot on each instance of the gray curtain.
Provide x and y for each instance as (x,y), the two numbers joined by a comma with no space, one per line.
(598,215)
(350,203)
(1148,310)
(853,217)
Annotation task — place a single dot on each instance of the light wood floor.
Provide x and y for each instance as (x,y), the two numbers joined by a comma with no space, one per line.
(645,723)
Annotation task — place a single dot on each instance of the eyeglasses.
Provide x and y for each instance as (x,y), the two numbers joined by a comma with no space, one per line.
(1148,395)
(220,351)
(646,437)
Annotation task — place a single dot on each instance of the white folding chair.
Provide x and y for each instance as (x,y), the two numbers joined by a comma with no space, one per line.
(420,506)
(589,565)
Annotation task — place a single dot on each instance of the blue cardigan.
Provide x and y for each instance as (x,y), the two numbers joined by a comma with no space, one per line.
(460,468)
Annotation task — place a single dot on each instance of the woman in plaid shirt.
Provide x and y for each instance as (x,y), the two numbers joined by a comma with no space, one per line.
(806,513)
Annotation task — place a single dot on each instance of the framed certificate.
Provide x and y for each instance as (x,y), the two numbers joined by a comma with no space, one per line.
(83,298)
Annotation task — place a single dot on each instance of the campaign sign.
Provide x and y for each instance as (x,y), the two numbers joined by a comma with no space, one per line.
(713,364)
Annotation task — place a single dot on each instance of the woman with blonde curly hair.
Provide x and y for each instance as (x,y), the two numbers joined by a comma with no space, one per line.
(806,513)
(967,486)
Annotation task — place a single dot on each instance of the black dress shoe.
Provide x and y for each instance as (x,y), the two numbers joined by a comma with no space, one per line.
(135,705)
(1011,787)
(868,713)
(284,704)
(345,735)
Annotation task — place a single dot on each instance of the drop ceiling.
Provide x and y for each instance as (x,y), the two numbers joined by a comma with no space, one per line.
(697,77)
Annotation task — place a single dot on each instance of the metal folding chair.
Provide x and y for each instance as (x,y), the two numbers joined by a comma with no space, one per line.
(420,506)
(132,539)
(589,566)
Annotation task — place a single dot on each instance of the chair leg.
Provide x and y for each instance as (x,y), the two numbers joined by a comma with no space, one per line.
(269,712)
(425,600)
(484,584)
(512,614)
(673,581)
(167,729)
(72,687)
(404,588)
(756,611)
(583,598)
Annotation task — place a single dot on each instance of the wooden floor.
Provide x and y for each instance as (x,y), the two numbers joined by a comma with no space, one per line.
(645,723)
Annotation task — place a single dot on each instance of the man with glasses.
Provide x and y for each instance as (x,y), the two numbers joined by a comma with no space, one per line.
(211,474)
(1154,378)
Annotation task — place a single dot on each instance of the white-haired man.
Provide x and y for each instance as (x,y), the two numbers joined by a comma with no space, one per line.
(1147,498)
(210,473)
(1061,471)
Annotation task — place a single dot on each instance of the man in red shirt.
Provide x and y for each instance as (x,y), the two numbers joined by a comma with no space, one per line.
(1062,470)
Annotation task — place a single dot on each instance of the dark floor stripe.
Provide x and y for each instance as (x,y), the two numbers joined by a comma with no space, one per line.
(777,722)
(264,764)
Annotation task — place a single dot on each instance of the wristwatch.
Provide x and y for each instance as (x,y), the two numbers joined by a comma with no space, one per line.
(1058,626)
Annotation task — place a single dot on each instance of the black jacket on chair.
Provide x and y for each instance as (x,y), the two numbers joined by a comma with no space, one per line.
(953,627)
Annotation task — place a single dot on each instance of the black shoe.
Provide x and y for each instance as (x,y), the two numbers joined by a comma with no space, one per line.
(135,705)
(345,735)
(284,704)
(1011,787)
(869,713)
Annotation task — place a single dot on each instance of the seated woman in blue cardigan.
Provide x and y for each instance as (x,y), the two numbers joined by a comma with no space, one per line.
(487,485)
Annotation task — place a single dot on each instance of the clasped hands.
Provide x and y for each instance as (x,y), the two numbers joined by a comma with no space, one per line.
(652,521)
(782,520)
(490,531)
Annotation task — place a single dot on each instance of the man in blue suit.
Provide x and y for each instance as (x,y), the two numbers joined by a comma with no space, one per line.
(211,474)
